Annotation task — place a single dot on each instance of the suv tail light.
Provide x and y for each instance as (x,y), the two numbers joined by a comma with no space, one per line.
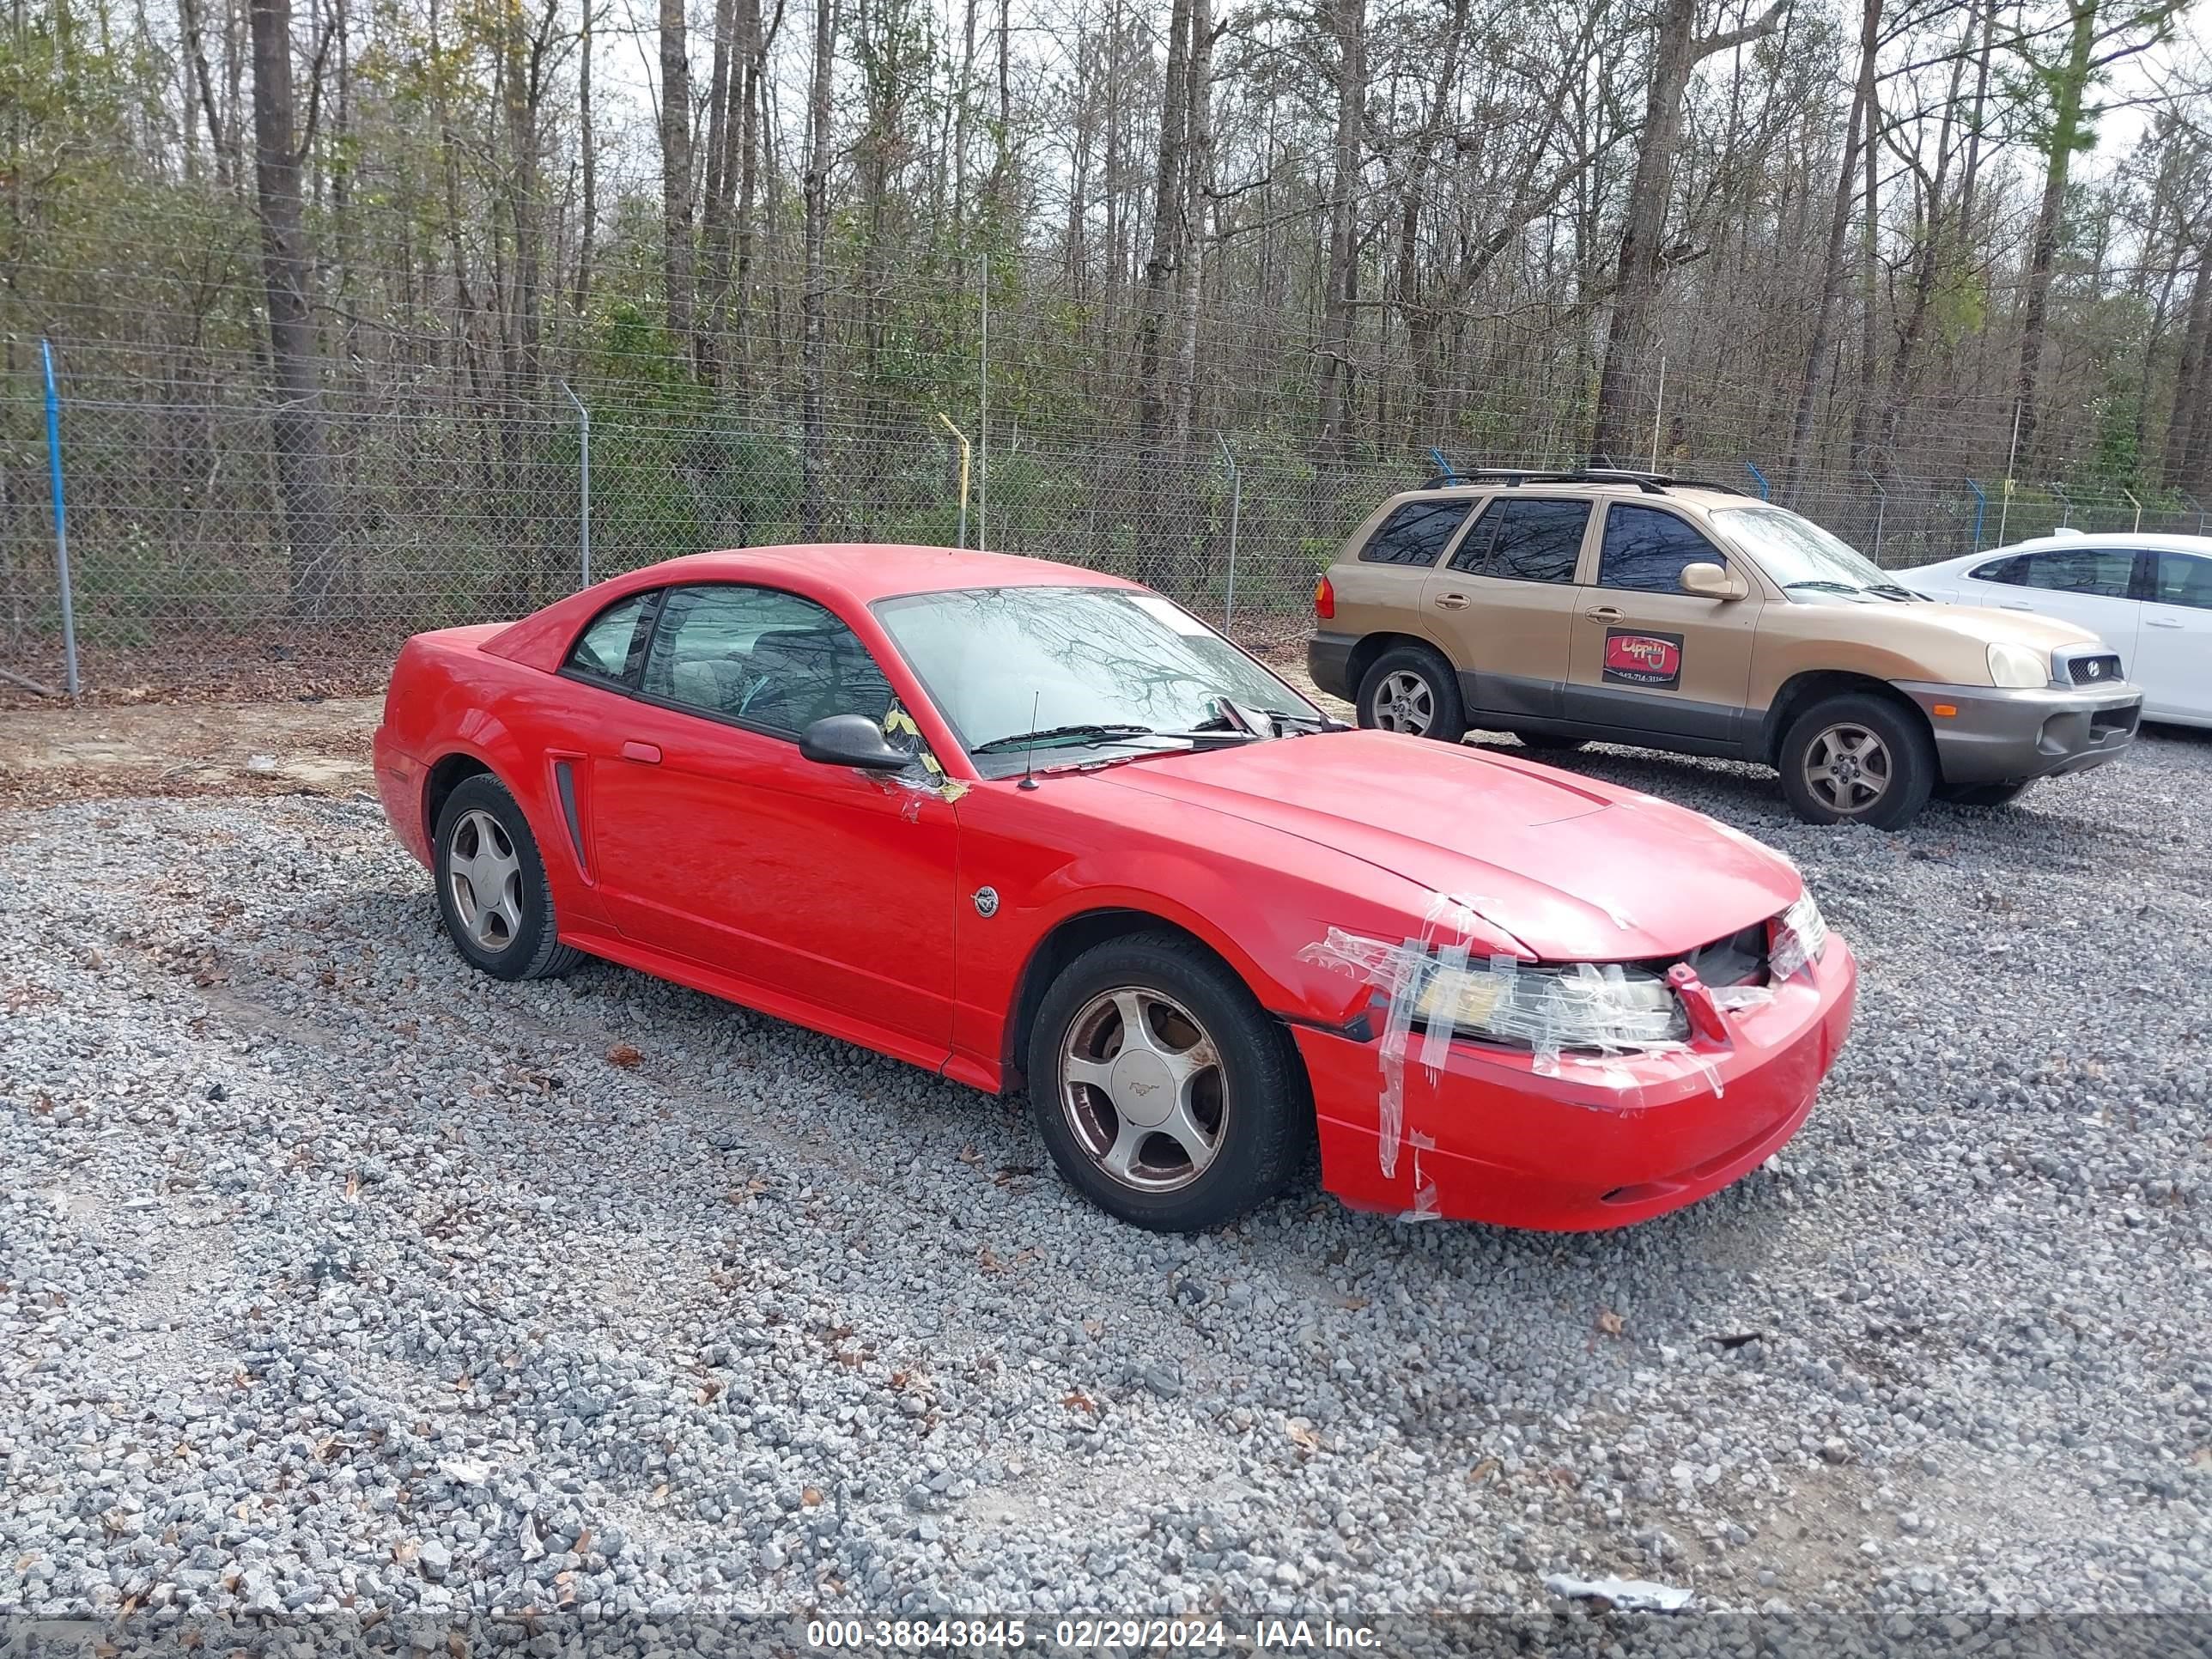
(1324,601)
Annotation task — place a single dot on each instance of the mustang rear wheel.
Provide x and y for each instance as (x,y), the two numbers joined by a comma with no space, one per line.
(1163,1090)
(1857,759)
(1410,688)
(492,888)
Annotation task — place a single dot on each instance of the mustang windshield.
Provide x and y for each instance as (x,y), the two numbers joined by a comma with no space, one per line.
(1800,555)
(1081,668)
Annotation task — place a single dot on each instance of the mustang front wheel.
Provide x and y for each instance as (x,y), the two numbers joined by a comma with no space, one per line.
(1163,1090)
(492,890)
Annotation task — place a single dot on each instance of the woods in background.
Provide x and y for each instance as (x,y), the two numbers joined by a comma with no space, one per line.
(1905,240)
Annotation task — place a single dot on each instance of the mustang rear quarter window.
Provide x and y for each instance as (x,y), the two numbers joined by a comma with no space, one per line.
(609,647)
(1414,533)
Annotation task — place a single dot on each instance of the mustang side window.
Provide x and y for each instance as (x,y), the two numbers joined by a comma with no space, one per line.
(1415,533)
(1645,550)
(609,649)
(1525,539)
(768,659)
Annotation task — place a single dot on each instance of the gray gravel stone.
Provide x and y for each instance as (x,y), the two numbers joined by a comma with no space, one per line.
(333,1274)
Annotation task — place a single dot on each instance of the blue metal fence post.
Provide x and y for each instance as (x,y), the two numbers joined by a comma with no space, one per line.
(1759,478)
(61,519)
(1444,468)
(1981,506)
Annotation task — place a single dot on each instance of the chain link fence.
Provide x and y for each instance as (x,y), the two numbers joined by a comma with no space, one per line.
(183,557)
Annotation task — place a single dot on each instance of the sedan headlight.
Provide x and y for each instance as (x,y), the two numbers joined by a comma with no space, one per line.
(1800,937)
(2016,667)
(1581,1006)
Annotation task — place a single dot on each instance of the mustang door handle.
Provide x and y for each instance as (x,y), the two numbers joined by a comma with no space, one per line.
(647,752)
(1451,601)
(1602,613)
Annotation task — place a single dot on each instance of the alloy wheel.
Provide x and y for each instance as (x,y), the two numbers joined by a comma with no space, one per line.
(1406,703)
(1848,768)
(1144,1090)
(484,873)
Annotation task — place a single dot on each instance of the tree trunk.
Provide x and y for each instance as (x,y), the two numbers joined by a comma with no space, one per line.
(1822,346)
(2190,423)
(1167,236)
(676,172)
(589,216)
(715,214)
(2068,86)
(815,485)
(1198,171)
(1629,342)
(296,431)
(1340,290)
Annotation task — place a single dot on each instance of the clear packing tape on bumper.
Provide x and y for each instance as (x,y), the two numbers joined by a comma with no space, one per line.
(1579,1020)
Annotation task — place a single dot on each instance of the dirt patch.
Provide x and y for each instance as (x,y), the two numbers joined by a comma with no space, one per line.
(318,746)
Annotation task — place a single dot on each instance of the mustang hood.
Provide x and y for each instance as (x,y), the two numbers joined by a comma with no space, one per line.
(1574,871)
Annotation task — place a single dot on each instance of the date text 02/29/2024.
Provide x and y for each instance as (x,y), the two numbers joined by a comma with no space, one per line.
(1101,1634)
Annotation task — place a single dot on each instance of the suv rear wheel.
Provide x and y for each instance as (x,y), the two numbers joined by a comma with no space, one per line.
(1410,688)
(1857,759)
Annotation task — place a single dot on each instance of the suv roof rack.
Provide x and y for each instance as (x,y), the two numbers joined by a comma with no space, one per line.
(1651,484)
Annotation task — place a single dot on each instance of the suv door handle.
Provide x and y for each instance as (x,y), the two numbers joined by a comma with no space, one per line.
(647,752)
(1451,601)
(1602,613)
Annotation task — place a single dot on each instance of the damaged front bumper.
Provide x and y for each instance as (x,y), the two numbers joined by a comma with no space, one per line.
(1584,1141)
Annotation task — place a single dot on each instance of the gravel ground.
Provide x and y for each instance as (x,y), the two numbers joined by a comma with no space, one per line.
(338,1277)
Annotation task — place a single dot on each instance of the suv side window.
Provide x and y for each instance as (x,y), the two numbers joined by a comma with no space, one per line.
(2182,579)
(1646,548)
(613,645)
(1414,533)
(2098,572)
(768,658)
(1525,539)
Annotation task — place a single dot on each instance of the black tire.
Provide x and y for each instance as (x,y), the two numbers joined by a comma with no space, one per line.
(1900,762)
(1545,740)
(1255,1094)
(1981,794)
(524,943)
(1411,688)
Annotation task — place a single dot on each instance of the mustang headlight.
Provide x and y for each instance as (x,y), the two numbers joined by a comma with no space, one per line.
(1800,935)
(2016,667)
(1581,1006)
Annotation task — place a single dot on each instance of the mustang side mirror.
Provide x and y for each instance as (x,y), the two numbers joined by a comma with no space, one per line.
(852,740)
(1707,580)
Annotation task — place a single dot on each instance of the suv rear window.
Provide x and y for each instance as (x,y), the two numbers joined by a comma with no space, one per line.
(1525,539)
(1414,533)
(1645,550)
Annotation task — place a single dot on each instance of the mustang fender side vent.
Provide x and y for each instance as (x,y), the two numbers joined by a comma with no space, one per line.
(564,780)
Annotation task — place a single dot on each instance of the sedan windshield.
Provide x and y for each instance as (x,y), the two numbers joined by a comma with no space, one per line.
(1800,557)
(1098,669)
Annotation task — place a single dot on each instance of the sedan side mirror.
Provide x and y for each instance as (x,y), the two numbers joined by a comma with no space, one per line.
(1707,580)
(852,740)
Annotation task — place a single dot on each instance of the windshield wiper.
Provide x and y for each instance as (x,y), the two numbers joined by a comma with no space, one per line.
(1892,591)
(1825,586)
(1055,736)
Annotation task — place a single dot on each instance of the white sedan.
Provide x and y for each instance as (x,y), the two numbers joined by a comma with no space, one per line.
(2147,597)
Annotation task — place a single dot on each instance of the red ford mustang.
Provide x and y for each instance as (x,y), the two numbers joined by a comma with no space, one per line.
(1024,823)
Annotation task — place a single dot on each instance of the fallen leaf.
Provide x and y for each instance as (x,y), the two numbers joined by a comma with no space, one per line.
(898,1379)
(707,1391)
(1076,1400)
(1484,1470)
(623,1054)
(353,1187)
(1611,1322)
(989,1260)
(1354,1302)
(969,1155)
(1094,1329)
(810,1496)
(583,1541)
(1301,1432)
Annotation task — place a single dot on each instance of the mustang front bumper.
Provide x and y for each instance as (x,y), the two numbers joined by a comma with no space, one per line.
(1602,1142)
(1993,735)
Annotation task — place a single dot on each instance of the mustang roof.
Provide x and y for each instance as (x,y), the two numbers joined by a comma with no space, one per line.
(868,571)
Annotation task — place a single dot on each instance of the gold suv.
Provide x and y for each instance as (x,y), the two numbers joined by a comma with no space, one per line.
(1624,607)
